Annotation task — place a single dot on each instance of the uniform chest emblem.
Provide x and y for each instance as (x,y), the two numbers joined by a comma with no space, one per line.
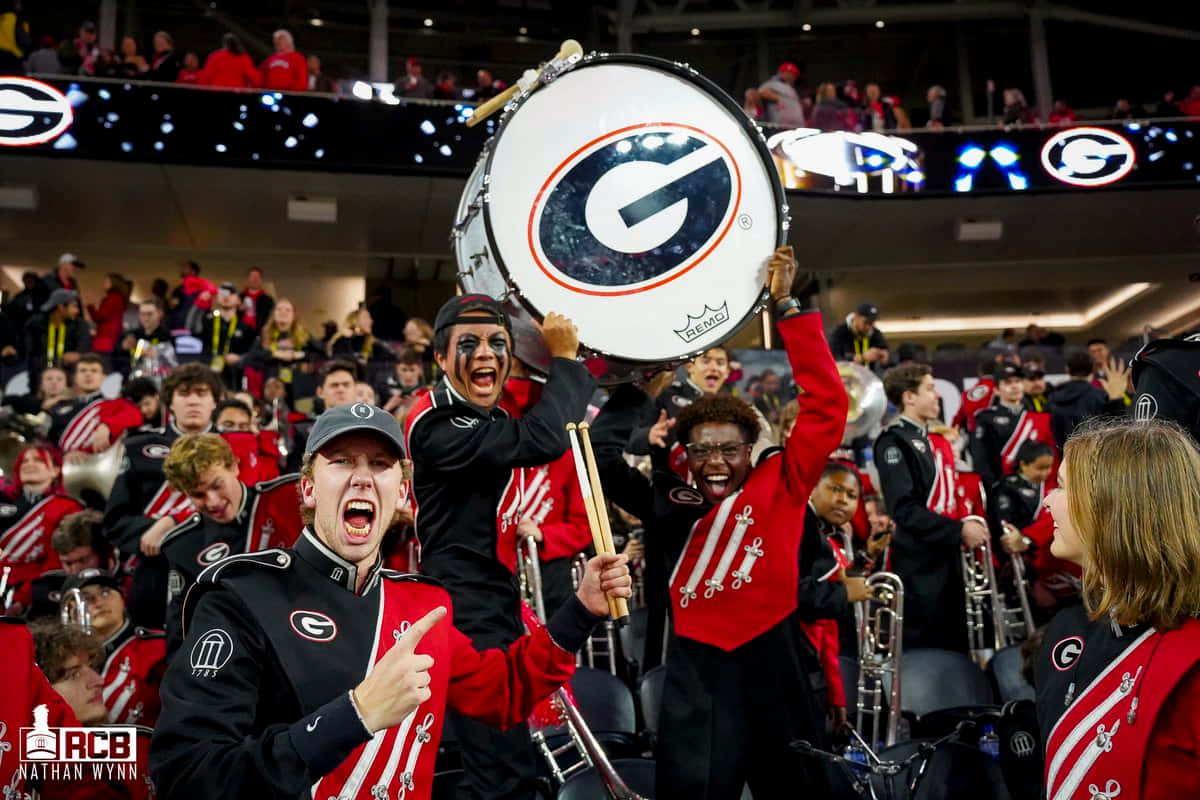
(919,445)
(681,401)
(212,554)
(685,496)
(1027,492)
(466,423)
(977,393)
(7,510)
(1066,653)
(1002,420)
(155,451)
(314,626)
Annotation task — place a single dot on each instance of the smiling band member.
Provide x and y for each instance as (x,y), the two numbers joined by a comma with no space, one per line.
(231,516)
(316,672)
(737,690)
(464,448)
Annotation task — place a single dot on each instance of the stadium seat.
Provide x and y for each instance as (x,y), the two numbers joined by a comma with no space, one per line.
(935,679)
(637,773)
(1005,670)
(605,702)
(651,692)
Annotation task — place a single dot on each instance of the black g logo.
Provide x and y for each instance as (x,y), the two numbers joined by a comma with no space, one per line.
(634,209)
(31,112)
(1066,653)
(314,626)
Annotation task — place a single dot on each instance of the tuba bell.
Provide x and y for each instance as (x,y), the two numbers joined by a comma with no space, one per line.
(97,473)
(868,403)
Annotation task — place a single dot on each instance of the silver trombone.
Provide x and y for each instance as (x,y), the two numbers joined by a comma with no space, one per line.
(606,646)
(983,599)
(1026,611)
(880,646)
(579,736)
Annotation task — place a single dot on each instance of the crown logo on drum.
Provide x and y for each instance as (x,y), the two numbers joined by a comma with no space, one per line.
(705,321)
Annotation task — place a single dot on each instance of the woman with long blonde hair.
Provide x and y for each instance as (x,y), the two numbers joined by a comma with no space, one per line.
(284,346)
(1118,678)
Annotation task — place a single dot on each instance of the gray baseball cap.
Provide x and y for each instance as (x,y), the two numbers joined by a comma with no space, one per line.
(60,297)
(340,420)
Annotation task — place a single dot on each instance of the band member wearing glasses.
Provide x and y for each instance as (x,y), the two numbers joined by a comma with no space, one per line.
(465,448)
(737,690)
(314,670)
(921,498)
(1119,677)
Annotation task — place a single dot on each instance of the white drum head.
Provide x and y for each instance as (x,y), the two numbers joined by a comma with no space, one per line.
(630,199)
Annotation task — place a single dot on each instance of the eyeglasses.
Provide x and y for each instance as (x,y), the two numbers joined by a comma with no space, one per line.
(93,597)
(705,451)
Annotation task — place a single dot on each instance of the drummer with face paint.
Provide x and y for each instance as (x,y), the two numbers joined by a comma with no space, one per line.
(464,448)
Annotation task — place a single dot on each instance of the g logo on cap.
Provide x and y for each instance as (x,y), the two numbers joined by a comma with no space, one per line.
(362,411)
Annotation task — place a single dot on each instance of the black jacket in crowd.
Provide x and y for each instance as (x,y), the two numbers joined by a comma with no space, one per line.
(463,457)
(925,549)
(1166,376)
(1075,401)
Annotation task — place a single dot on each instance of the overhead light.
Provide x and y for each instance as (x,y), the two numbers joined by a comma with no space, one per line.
(879,23)
(312,209)
(806,27)
(362,90)
(428,22)
(695,31)
(316,22)
(979,230)
(522,30)
(21,198)
(1060,320)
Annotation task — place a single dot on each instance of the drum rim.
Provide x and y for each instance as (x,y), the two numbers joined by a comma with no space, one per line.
(753,132)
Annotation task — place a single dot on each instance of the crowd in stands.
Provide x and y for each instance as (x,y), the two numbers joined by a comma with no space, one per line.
(787,100)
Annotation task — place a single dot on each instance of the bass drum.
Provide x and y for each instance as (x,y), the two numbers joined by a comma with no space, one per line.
(632,195)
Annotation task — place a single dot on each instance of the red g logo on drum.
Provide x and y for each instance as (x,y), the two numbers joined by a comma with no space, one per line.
(634,209)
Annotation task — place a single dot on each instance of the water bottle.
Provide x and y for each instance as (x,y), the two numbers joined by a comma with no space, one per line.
(855,753)
(989,742)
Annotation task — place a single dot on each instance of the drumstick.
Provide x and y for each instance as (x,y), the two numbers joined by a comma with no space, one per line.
(569,48)
(601,507)
(589,505)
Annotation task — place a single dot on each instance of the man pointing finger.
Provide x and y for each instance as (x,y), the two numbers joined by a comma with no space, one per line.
(314,671)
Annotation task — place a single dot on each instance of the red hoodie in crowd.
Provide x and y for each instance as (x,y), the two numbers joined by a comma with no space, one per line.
(223,68)
(285,72)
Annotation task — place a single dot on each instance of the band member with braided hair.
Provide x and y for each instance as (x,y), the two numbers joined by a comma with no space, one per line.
(1118,677)
(735,540)
(315,671)
(921,497)
(464,448)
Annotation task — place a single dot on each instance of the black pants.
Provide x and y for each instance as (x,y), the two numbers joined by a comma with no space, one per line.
(728,719)
(497,765)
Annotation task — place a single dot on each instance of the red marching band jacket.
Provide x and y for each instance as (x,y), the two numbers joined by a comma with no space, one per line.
(549,495)
(118,414)
(25,544)
(462,679)
(738,574)
(26,689)
(1099,748)
(132,670)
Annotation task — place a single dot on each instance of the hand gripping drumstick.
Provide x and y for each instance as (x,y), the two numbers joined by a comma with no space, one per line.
(593,503)
(526,83)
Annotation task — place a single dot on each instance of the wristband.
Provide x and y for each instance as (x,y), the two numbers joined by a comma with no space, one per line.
(786,304)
